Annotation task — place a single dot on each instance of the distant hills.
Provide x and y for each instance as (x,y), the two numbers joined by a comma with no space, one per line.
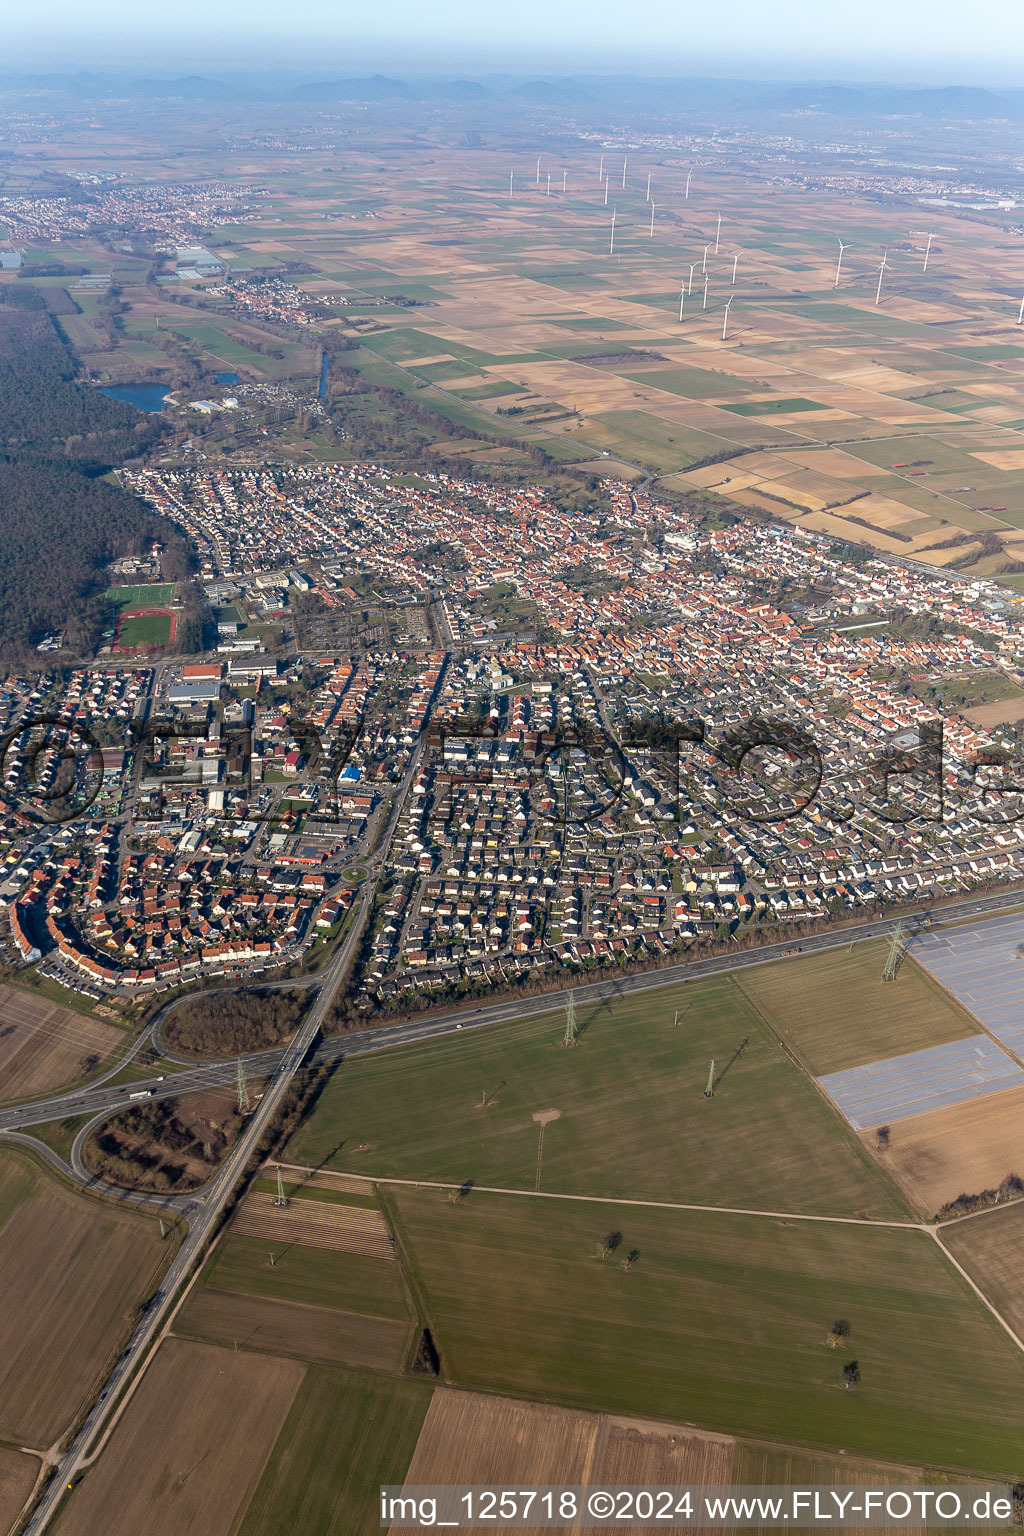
(597,94)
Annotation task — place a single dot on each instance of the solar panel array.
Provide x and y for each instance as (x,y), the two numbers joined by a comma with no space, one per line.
(934,1078)
(978,964)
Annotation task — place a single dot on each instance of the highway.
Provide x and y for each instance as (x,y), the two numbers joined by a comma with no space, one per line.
(93,1100)
(205,1213)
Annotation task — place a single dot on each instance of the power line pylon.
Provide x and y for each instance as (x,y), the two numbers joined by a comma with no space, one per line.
(571,1028)
(243,1091)
(894,958)
(281,1198)
(709,1091)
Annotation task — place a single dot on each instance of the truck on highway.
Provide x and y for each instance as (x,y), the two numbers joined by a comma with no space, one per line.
(143,1093)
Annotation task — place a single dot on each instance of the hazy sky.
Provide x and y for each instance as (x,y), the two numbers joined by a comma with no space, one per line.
(934,41)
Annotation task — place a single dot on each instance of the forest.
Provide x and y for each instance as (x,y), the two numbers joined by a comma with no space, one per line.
(230,1024)
(61,523)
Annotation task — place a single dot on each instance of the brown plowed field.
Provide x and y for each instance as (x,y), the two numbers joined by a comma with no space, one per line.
(991,1249)
(638,1455)
(472,1438)
(70,1273)
(314,1224)
(43,1046)
(18,1474)
(187,1455)
(319,1334)
(469,1438)
(959,1150)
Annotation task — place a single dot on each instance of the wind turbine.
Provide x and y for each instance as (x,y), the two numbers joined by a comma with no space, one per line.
(607,183)
(705,304)
(686,194)
(600,171)
(881,273)
(611,243)
(693,269)
(725,319)
(927,251)
(718,233)
(682,296)
(539,159)
(1020,317)
(653,206)
(549,184)
(564,175)
(704,263)
(624,170)
(648,186)
(511,174)
(735,264)
(839,263)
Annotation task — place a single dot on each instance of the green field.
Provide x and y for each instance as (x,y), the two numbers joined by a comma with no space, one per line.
(345,1435)
(774,407)
(722,1322)
(145,629)
(633,1118)
(316,1277)
(695,383)
(637,436)
(140,597)
(865,1018)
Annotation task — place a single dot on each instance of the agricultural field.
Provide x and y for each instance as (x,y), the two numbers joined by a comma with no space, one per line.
(345,1436)
(325,1335)
(315,1280)
(469,1437)
(316,1277)
(631,1121)
(962,1149)
(18,1474)
(91,1265)
(474,1439)
(158,1474)
(722,1321)
(991,1249)
(43,1046)
(867,1019)
(891,423)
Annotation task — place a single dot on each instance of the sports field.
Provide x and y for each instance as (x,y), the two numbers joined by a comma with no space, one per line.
(722,1323)
(141,597)
(633,1120)
(835,1011)
(90,1265)
(148,628)
(345,1436)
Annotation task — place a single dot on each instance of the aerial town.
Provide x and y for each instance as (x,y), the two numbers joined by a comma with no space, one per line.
(511,756)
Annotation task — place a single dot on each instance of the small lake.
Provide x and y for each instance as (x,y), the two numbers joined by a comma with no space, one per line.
(145,397)
(228,378)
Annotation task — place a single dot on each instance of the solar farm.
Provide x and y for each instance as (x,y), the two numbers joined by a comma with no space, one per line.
(980,966)
(923,1080)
